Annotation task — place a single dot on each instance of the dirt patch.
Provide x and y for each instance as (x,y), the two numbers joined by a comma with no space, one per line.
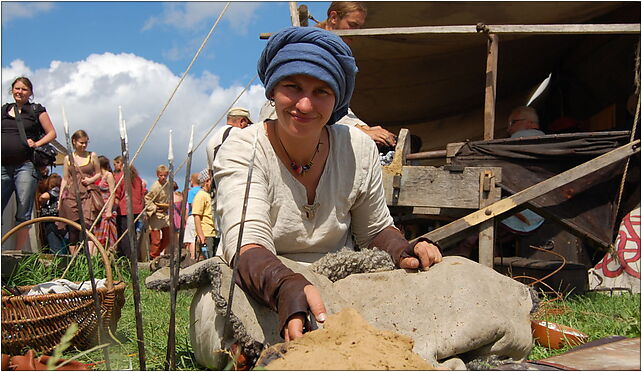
(347,342)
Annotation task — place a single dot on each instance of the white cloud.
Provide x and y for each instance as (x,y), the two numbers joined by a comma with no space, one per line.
(194,15)
(92,89)
(13,10)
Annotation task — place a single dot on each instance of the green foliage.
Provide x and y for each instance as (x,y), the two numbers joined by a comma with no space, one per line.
(596,314)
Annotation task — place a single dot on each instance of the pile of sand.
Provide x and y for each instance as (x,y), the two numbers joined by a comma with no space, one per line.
(347,342)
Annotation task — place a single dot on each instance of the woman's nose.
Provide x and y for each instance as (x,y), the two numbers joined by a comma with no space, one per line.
(304,104)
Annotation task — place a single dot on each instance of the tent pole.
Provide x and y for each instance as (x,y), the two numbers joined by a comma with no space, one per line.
(491,85)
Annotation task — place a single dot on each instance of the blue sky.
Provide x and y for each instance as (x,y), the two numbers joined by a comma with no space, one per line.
(91,57)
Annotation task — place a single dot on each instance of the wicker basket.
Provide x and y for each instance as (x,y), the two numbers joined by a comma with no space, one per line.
(38,322)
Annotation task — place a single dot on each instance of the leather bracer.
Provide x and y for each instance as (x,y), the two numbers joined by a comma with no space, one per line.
(391,240)
(264,277)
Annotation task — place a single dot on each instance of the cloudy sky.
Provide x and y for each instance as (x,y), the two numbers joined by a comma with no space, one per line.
(91,57)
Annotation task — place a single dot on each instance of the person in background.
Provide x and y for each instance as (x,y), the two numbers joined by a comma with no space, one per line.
(106,230)
(48,201)
(138,203)
(157,209)
(523,122)
(203,219)
(19,176)
(118,168)
(237,118)
(86,170)
(346,15)
(176,212)
(190,229)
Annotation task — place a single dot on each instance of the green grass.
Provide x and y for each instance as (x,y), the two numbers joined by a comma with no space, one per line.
(596,314)
(156,312)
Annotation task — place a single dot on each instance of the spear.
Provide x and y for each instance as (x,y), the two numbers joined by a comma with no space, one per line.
(133,248)
(170,357)
(83,233)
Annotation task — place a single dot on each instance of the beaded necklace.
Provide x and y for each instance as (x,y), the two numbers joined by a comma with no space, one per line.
(300,169)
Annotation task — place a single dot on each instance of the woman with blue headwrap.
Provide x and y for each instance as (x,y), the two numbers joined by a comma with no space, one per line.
(314,184)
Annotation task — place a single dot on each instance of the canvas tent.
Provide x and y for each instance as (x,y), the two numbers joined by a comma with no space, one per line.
(434,83)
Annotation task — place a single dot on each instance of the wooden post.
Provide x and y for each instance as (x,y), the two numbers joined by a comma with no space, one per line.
(294,14)
(491,85)
(487,228)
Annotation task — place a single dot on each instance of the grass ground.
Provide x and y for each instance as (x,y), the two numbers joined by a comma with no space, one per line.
(156,313)
(595,314)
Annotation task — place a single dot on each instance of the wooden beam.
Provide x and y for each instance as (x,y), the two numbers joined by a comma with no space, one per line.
(294,14)
(436,154)
(561,29)
(491,87)
(533,192)
(619,28)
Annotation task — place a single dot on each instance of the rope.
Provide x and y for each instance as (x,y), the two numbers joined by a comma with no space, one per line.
(198,52)
(219,119)
(632,137)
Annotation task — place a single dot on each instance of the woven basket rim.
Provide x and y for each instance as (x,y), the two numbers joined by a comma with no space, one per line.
(9,298)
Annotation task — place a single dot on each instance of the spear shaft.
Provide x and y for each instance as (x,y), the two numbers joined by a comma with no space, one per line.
(83,232)
(133,248)
(170,357)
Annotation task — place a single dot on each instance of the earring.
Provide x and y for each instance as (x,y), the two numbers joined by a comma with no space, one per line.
(271,100)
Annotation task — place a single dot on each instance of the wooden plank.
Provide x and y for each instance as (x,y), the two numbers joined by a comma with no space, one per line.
(533,192)
(294,14)
(491,87)
(426,186)
(615,28)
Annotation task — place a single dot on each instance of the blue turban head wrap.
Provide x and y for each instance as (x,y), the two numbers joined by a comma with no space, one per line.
(314,52)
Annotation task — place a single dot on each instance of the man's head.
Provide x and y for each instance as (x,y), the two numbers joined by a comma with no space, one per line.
(345,15)
(239,117)
(204,179)
(193,180)
(522,118)
(162,172)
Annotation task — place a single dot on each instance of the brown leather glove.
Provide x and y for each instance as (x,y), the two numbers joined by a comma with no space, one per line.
(391,240)
(264,277)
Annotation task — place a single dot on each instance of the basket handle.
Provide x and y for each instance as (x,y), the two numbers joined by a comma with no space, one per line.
(101,249)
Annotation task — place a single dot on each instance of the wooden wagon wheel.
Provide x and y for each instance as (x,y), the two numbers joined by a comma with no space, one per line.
(101,249)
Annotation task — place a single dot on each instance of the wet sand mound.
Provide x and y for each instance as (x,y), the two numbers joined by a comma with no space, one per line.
(347,342)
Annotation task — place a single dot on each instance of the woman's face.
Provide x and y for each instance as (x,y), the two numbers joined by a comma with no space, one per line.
(80,144)
(303,105)
(118,166)
(21,92)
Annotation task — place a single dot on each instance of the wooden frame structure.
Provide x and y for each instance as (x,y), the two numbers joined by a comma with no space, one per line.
(430,190)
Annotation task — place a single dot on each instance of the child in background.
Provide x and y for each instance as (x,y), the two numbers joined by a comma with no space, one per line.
(48,201)
(203,221)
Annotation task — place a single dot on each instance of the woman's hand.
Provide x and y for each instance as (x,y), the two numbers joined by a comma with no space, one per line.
(31,143)
(294,327)
(425,255)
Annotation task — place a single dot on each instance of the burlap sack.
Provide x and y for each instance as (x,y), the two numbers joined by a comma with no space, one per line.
(457,307)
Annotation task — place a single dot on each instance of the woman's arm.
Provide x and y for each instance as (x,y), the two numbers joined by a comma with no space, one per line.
(112,193)
(264,277)
(65,177)
(372,224)
(47,126)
